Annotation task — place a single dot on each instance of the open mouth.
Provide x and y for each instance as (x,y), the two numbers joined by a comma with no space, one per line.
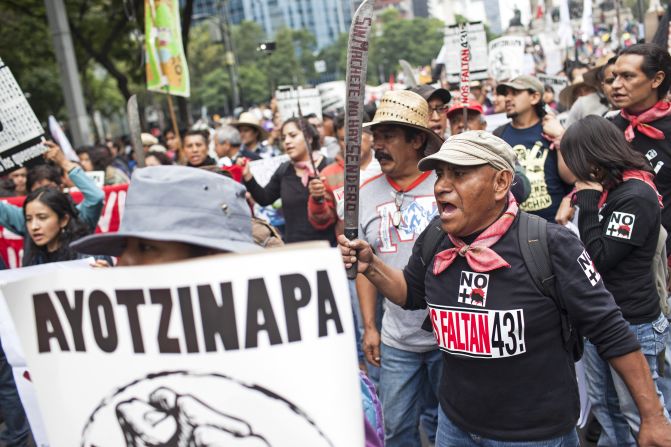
(446,209)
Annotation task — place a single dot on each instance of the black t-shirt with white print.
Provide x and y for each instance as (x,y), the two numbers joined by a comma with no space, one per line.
(658,153)
(507,374)
(621,239)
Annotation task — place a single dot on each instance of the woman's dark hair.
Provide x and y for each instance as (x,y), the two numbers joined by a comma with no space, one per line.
(312,137)
(160,156)
(655,58)
(100,156)
(595,143)
(47,172)
(61,204)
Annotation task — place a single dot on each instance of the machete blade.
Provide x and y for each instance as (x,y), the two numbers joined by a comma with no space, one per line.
(357,65)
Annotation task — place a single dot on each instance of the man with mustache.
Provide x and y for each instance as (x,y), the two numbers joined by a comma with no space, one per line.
(395,208)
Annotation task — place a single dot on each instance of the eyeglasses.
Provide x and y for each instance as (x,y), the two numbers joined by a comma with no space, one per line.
(396,218)
(438,110)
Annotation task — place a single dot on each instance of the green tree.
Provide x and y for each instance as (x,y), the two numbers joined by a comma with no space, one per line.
(335,56)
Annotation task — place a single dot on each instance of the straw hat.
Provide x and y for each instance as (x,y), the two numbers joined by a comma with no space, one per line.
(248,119)
(406,108)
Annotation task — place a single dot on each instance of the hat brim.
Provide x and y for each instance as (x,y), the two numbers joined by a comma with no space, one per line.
(567,95)
(457,158)
(433,142)
(442,94)
(113,244)
(263,132)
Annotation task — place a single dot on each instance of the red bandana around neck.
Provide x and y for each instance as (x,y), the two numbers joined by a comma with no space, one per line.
(479,256)
(644,176)
(308,172)
(640,122)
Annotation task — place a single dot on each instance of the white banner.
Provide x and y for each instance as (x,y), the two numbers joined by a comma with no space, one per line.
(263,169)
(287,102)
(506,57)
(477,40)
(253,350)
(12,347)
(558,83)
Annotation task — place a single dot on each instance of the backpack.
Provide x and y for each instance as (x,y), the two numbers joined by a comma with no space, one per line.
(532,235)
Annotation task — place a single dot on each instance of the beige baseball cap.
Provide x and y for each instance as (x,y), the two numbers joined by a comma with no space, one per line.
(472,148)
(522,82)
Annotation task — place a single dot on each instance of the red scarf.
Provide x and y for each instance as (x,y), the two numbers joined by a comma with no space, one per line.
(640,122)
(643,176)
(308,172)
(479,256)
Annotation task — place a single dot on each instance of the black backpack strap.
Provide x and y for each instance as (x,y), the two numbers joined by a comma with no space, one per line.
(534,247)
(432,239)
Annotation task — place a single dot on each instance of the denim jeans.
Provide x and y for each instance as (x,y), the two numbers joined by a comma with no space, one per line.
(652,338)
(603,399)
(17,428)
(449,435)
(358,322)
(403,376)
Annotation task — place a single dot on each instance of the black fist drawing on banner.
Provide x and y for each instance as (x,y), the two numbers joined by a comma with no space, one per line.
(169,419)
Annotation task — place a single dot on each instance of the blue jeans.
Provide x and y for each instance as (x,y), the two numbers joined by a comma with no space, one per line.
(17,428)
(652,338)
(603,399)
(403,376)
(449,435)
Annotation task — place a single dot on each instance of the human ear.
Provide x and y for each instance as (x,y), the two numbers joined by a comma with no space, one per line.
(658,79)
(535,98)
(65,220)
(418,141)
(502,183)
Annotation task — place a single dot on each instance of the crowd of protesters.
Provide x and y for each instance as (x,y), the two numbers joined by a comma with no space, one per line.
(447,215)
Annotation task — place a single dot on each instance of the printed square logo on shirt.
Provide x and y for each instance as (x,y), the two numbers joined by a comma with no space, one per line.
(621,225)
(587,266)
(473,288)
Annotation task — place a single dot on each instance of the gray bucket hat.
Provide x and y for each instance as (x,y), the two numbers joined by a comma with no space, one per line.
(179,204)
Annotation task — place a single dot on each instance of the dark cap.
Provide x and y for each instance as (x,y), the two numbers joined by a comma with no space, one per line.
(427,92)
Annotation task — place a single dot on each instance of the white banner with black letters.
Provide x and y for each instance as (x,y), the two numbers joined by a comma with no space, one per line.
(235,350)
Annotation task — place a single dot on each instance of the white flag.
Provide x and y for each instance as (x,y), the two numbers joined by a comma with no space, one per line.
(59,137)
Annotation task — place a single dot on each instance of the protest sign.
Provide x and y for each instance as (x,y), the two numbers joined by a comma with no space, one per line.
(254,350)
(167,71)
(12,347)
(287,102)
(451,56)
(558,83)
(20,130)
(506,57)
(97,177)
(61,139)
(11,245)
(263,169)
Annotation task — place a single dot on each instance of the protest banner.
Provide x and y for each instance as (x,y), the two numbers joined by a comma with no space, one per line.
(20,131)
(11,245)
(254,350)
(288,97)
(97,177)
(61,139)
(451,56)
(13,350)
(558,83)
(263,169)
(167,71)
(506,57)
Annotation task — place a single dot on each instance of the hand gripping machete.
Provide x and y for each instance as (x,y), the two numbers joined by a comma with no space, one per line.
(357,64)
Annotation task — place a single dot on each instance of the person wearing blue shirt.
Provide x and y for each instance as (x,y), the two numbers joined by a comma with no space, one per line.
(11,216)
(525,108)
